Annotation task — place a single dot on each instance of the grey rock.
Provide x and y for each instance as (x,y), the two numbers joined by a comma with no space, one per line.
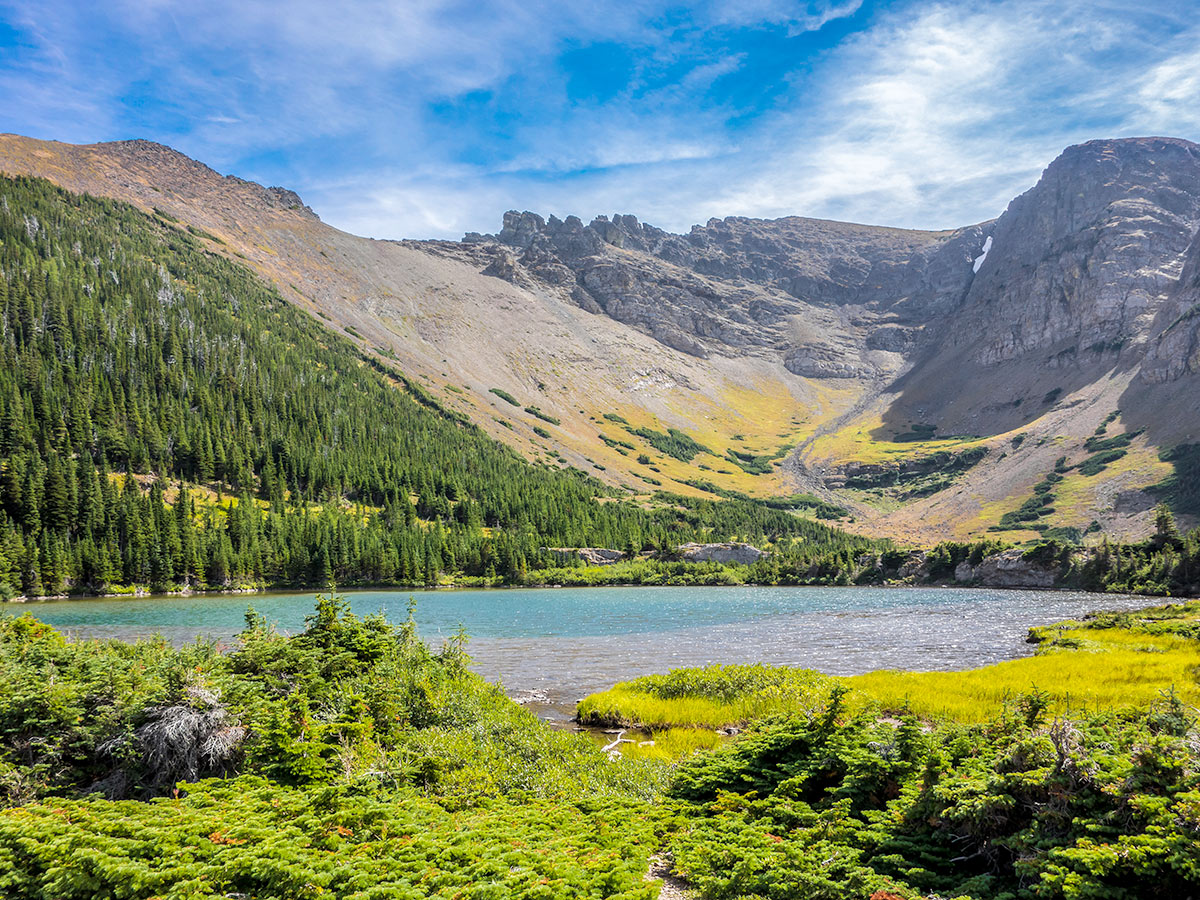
(736,285)
(1175,347)
(1099,261)
(1084,261)
(593,556)
(728,552)
(1007,569)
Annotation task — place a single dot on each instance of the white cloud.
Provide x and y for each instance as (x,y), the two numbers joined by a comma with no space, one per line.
(798,17)
(1168,94)
(935,116)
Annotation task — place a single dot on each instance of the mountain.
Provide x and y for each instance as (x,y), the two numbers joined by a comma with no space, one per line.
(168,421)
(932,383)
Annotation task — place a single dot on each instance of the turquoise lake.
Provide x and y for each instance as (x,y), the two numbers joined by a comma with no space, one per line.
(556,645)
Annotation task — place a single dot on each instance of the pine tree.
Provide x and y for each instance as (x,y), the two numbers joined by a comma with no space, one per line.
(1165,529)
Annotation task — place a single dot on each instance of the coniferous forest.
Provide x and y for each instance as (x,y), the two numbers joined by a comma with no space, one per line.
(400,307)
(167,420)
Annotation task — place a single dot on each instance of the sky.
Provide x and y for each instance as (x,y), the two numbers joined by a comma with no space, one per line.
(430,118)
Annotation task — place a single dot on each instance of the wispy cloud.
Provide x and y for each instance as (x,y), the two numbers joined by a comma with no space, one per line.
(797,17)
(1168,94)
(430,117)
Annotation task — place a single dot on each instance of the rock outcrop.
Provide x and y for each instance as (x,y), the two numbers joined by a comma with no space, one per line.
(592,556)
(836,300)
(1008,569)
(1097,261)
(1082,263)
(1175,346)
(729,552)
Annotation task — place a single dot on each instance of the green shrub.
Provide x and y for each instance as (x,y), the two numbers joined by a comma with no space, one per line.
(545,417)
(674,443)
(505,396)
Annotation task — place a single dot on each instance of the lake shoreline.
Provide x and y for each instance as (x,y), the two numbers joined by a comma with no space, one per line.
(569,645)
(21,600)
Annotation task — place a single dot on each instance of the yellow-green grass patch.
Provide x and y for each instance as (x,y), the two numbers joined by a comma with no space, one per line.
(1079,667)
(671,745)
(710,697)
(1104,669)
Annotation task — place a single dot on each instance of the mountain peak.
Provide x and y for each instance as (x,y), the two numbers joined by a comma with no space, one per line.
(154,166)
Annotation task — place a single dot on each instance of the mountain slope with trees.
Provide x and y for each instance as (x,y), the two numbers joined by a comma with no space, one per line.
(798,354)
(166,419)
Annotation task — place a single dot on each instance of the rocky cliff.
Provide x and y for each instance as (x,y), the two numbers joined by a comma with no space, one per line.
(1082,264)
(1175,344)
(833,299)
(1084,261)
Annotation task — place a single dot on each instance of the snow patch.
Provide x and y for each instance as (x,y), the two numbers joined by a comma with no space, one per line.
(987,246)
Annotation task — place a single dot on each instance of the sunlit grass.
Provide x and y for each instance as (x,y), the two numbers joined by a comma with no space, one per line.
(672,745)
(1079,667)
(1106,669)
(712,697)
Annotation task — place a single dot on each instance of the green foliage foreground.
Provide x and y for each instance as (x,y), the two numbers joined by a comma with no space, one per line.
(837,805)
(352,761)
(347,761)
(252,838)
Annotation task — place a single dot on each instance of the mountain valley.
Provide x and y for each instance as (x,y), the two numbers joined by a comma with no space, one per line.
(926,383)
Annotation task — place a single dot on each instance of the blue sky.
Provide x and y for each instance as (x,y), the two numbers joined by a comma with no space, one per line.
(425,118)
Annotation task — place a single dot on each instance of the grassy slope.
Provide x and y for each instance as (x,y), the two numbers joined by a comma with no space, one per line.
(976,500)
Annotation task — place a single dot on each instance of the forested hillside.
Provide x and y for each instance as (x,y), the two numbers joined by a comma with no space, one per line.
(166,419)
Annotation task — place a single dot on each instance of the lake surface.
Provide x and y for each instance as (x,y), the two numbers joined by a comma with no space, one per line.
(566,643)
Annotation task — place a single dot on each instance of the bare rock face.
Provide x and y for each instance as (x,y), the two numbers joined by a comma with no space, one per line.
(826,361)
(1084,261)
(1008,569)
(593,556)
(1098,262)
(1175,347)
(727,553)
(739,286)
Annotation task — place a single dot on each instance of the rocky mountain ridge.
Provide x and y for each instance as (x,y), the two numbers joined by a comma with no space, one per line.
(830,296)
(794,352)
(1083,262)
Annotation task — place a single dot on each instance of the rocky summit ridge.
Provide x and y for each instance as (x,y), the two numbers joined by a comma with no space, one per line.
(923,381)
(829,296)
(1083,262)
